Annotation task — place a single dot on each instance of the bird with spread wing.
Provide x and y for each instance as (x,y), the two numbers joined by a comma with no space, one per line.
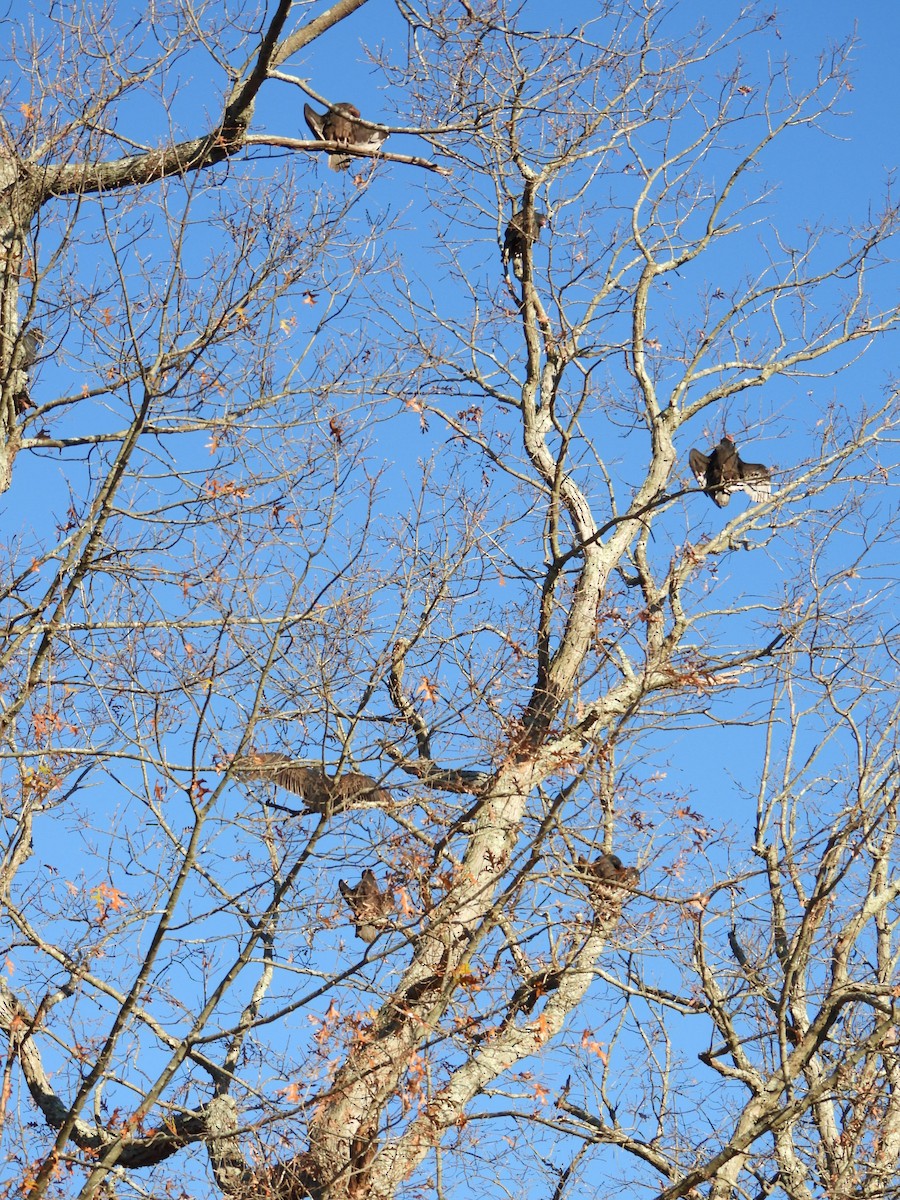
(722,472)
(341,123)
(322,793)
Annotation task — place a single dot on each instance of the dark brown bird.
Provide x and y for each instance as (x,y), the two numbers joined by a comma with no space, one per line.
(721,472)
(608,869)
(607,880)
(371,907)
(342,124)
(523,231)
(322,793)
(527,994)
(31,341)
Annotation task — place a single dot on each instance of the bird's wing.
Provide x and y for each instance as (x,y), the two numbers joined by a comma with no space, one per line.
(366,137)
(756,481)
(310,783)
(368,886)
(510,242)
(259,764)
(315,121)
(318,789)
(354,786)
(699,462)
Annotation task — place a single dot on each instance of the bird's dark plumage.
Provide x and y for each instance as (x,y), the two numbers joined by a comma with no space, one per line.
(371,907)
(321,792)
(608,881)
(523,231)
(608,869)
(30,348)
(32,340)
(342,124)
(721,472)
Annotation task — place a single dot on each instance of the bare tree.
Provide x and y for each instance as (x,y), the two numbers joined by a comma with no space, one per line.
(474,673)
(74,152)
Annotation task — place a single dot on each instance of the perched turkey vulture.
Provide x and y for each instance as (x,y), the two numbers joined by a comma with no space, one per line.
(523,230)
(721,472)
(31,342)
(608,870)
(341,124)
(371,907)
(322,793)
(607,880)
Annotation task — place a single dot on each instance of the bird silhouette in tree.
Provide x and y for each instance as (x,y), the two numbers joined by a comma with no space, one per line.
(722,472)
(341,123)
(608,881)
(321,792)
(371,907)
(31,341)
(523,231)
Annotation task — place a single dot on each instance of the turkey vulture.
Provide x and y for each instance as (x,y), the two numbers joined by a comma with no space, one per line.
(371,907)
(322,793)
(523,230)
(722,472)
(341,124)
(608,870)
(607,880)
(31,342)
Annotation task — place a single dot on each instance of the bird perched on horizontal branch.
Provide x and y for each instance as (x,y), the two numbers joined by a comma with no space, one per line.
(372,908)
(342,124)
(523,231)
(721,472)
(322,793)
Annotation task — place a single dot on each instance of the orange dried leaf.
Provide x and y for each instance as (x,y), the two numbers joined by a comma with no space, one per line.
(107,897)
(466,977)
